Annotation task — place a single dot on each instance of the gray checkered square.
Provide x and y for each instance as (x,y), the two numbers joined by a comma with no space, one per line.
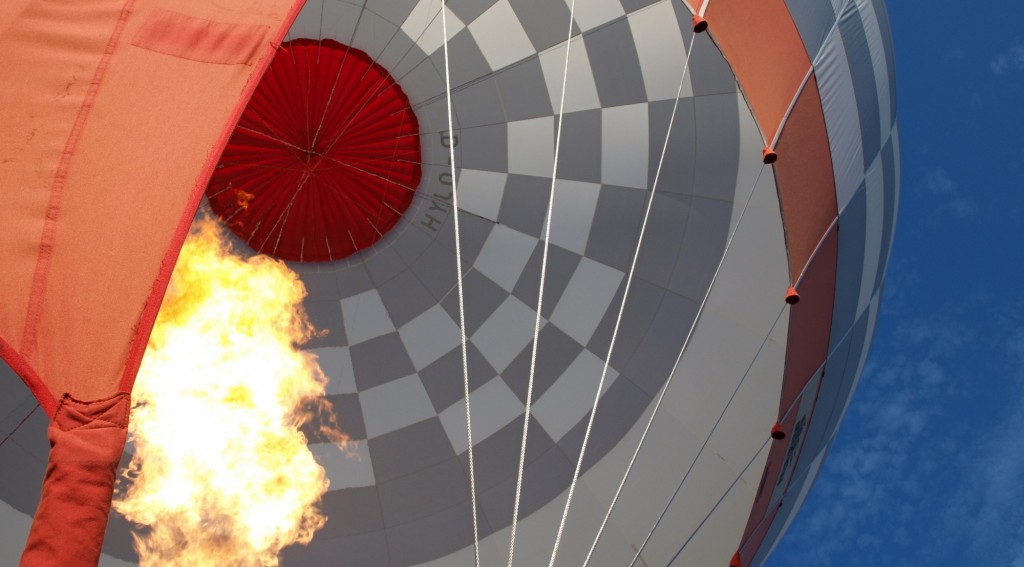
(561,266)
(555,353)
(523,91)
(380,360)
(442,379)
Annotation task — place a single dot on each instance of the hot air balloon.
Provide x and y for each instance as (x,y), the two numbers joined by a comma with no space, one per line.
(666,179)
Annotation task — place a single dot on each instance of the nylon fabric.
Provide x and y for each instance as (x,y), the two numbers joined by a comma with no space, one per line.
(841,119)
(762,44)
(86,442)
(107,151)
(806,185)
(97,204)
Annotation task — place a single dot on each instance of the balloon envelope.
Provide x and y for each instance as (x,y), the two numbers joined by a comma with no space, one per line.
(726,237)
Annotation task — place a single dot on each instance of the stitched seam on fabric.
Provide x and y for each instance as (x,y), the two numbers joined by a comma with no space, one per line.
(40,277)
(28,375)
(121,414)
(199,39)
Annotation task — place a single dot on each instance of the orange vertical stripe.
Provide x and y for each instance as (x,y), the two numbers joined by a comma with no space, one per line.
(805,179)
(762,44)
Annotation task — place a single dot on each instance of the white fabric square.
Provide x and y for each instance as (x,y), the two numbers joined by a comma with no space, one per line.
(504,256)
(505,333)
(492,406)
(624,145)
(531,146)
(424,25)
(662,51)
(842,121)
(349,468)
(480,192)
(573,214)
(365,317)
(336,363)
(429,336)
(500,36)
(592,13)
(569,399)
(586,299)
(394,405)
(580,89)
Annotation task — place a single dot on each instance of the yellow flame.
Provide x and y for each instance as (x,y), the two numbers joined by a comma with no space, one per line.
(222,474)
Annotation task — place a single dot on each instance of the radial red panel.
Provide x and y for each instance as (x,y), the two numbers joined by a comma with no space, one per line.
(762,44)
(325,159)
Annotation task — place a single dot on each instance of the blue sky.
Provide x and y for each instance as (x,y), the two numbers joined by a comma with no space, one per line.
(928,466)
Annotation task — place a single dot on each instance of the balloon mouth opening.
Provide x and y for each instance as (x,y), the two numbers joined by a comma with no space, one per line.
(325,159)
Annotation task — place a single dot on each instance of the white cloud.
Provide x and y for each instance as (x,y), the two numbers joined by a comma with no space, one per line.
(1018,560)
(947,195)
(865,500)
(988,504)
(1010,60)
(938,181)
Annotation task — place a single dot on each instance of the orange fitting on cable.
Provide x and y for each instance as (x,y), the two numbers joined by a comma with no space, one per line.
(699,24)
(778,433)
(768,155)
(736,561)
(792,297)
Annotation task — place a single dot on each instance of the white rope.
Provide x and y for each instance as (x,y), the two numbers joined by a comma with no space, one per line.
(707,440)
(462,306)
(718,503)
(540,292)
(675,365)
(622,307)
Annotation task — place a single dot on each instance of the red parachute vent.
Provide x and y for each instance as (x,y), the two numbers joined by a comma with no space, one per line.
(325,159)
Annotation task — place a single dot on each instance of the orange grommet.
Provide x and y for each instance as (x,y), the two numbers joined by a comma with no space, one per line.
(792,297)
(778,433)
(699,24)
(736,561)
(768,155)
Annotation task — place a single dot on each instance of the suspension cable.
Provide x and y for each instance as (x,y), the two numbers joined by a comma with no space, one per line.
(622,306)
(20,423)
(718,503)
(675,365)
(458,279)
(540,291)
(707,440)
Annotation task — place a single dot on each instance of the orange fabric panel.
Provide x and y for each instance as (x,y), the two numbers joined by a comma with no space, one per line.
(86,442)
(199,39)
(753,541)
(810,321)
(810,325)
(757,525)
(762,44)
(110,148)
(49,53)
(807,188)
